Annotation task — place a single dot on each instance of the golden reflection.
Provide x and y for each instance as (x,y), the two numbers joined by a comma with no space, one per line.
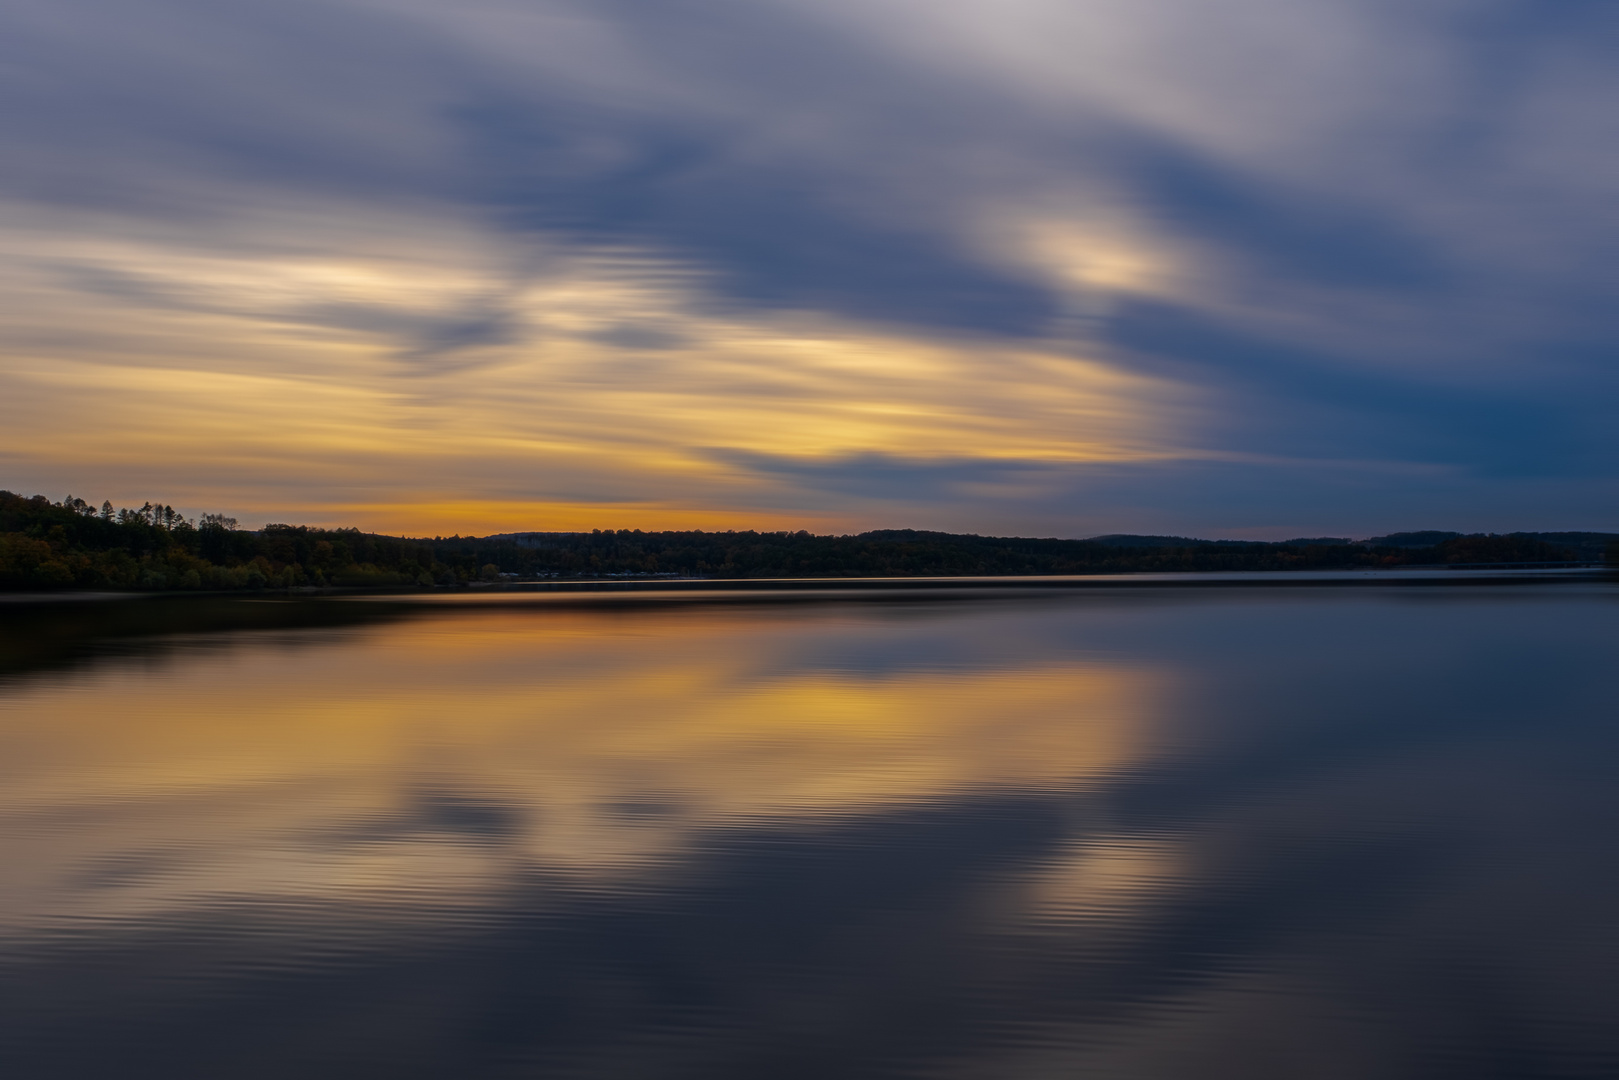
(1101,879)
(432,761)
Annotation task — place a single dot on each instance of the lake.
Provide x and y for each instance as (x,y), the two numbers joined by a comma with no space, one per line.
(1302,831)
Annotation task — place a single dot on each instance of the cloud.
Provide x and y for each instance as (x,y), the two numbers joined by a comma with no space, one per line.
(899,485)
(599,379)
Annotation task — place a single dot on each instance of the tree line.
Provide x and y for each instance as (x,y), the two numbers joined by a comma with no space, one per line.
(75,544)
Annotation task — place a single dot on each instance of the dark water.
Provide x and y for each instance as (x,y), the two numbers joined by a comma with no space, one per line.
(1300,832)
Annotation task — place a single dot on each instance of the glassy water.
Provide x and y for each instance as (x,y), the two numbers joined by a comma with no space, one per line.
(1300,832)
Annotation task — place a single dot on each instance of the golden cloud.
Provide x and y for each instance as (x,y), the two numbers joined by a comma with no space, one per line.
(443,390)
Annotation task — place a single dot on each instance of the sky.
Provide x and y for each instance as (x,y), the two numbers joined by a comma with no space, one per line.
(1264,268)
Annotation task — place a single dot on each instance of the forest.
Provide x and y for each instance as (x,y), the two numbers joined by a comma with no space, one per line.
(74,544)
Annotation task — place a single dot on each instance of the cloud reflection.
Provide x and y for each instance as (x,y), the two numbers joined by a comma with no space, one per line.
(1262,833)
(433,764)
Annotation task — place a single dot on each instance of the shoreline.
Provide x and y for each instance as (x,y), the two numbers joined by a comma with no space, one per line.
(1411,576)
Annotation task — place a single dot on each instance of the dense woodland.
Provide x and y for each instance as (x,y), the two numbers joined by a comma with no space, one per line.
(75,544)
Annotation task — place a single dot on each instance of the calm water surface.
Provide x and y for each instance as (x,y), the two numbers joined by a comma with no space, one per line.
(1300,832)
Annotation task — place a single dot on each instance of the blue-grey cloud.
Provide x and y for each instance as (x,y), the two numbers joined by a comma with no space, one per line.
(418,335)
(1283,399)
(902,483)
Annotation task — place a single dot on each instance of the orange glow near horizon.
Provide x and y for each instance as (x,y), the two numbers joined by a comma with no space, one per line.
(452,517)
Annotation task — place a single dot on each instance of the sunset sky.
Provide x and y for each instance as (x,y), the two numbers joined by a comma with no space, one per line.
(1262,268)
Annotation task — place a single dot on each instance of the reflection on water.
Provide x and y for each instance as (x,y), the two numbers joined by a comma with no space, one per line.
(1289,833)
(450,754)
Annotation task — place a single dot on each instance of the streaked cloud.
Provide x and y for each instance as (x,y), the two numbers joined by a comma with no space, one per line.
(596,378)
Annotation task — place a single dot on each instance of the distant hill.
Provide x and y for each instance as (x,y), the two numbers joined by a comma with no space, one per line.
(1587,546)
(72,544)
(1131,540)
(1428,538)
